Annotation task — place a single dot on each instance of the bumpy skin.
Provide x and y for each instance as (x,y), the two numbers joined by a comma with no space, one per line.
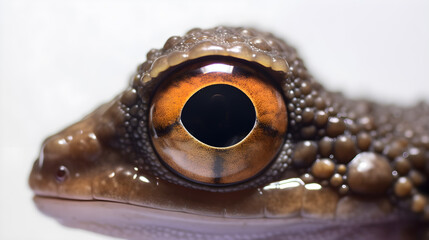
(353,149)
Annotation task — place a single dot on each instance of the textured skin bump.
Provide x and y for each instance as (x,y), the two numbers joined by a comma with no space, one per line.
(369,173)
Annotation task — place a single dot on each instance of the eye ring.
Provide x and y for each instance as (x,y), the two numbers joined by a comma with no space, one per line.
(204,163)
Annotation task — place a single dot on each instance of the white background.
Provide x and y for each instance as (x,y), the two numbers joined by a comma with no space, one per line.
(60,59)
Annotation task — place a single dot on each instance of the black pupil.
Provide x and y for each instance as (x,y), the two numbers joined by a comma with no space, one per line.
(219,115)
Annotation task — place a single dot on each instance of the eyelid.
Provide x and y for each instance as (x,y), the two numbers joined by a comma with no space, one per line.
(207,44)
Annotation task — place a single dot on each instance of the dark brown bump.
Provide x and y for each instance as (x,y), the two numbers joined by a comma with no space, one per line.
(260,43)
(403,187)
(366,123)
(332,111)
(336,180)
(364,141)
(307,115)
(395,149)
(307,178)
(151,55)
(305,153)
(297,92)
(369,173)
(134,110)
(344,189)
(129,97)
(353,128)
(341,169)
(305,88)
(335,127)
(309,101)
(136,80)
(321,118)
(416,157)
(416,177)
(418,203)
(290,94)
(172,41)
(344,149)
(326,145)
(378,146)
(323,168)
(320,103)
(402,165)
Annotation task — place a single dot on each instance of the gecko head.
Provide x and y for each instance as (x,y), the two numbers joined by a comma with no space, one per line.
(230,123)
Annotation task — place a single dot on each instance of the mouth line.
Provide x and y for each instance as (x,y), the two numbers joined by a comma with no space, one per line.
(51,202)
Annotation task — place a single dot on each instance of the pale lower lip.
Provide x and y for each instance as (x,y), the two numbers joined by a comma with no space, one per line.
(135,222)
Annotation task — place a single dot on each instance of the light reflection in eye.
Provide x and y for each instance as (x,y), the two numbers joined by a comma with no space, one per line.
(217,67)
(283,184)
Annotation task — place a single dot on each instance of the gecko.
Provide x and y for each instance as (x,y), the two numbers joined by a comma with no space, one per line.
(224,134)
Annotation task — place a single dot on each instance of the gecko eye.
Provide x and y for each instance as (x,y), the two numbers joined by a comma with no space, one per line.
(217,122)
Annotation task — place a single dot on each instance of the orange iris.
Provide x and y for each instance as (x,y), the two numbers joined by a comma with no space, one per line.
(217,122)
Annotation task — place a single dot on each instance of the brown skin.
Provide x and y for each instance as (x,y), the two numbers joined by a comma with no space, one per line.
(103,152)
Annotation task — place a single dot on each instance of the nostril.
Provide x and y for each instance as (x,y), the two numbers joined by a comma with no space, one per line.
(61,174)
